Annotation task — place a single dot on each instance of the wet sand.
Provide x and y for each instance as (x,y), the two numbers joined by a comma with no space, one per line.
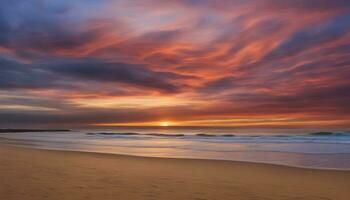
(33,174)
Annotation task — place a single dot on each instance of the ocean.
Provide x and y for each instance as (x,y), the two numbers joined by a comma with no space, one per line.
(292,147)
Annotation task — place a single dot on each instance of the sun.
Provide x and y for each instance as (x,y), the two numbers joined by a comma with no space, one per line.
(164,123)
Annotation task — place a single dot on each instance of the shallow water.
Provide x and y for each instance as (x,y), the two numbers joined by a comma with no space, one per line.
(279,147)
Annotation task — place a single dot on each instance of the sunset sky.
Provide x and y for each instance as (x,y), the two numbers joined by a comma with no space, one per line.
(241,63)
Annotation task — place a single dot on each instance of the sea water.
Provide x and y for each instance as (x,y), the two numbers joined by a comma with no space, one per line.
(292,147)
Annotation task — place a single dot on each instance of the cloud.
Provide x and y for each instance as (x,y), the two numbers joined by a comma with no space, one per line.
(131,74)
(234,59)
(314,36)
(15,75)
(31,29)
(310,5)
(64,73)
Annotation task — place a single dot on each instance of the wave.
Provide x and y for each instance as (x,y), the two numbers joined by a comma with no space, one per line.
(159,134)
(319,137)
(213,135)
(106,133)
(329,134)
(146,134)
(205,135)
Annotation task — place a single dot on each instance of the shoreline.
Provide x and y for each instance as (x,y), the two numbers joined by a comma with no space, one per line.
(179,158)
(19,144)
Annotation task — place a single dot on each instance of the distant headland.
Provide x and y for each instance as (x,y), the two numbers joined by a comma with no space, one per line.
(8,130)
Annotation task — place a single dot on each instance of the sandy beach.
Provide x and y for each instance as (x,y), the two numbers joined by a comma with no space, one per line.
(33,174)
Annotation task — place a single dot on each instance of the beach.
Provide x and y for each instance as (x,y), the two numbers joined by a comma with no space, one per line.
(34,174)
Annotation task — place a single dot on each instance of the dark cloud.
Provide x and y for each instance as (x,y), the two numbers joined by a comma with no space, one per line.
(15,75)
(42,27)
(218,85)
(309,5)
(66,73)
(75,117)
(132,74)
(161,36)
(311,100)
(314,36)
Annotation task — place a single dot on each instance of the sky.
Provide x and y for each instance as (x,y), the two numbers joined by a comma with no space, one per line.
(239,63)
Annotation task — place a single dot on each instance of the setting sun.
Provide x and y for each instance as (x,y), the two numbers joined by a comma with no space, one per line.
(164,123)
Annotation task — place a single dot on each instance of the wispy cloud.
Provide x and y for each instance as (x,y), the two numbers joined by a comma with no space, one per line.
(204,62)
